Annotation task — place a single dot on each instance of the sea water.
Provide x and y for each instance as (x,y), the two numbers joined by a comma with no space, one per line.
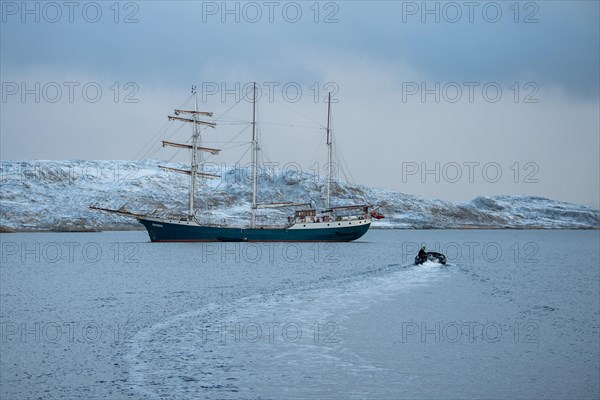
(514,314)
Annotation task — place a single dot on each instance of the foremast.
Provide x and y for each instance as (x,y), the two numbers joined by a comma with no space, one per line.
(329,151)
(194,147)
(194,161)
(254,156)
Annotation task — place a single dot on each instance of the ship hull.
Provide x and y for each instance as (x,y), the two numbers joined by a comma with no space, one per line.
(161,230)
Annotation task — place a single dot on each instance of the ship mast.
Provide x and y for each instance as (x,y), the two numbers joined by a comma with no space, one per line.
(254,156)
(329,150)
(194,163)
(194,147)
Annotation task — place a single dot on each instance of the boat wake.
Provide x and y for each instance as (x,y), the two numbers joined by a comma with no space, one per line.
(252,346)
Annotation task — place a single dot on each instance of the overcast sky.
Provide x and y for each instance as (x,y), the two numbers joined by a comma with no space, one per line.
(447,100)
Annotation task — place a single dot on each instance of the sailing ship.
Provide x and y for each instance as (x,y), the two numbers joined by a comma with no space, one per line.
(332,224)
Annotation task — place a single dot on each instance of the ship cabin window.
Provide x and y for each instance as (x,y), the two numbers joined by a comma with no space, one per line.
(305,213)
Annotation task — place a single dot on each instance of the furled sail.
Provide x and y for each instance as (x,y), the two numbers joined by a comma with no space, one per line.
(185,171)
(189,146)
(196,121)
(208,114)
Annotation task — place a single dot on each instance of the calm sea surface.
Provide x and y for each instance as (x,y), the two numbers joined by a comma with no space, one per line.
(515,314)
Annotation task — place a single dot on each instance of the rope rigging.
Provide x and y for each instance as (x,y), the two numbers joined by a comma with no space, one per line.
(166,132)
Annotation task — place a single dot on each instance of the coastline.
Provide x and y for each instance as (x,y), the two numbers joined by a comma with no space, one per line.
(30,187)
(5,229)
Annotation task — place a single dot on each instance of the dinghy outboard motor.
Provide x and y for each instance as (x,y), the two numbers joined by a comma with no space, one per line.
(432,256)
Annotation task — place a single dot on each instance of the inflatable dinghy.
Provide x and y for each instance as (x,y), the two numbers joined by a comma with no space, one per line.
(431,256)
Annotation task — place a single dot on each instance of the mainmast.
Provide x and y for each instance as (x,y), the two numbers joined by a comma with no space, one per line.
(329,150)
(254,156)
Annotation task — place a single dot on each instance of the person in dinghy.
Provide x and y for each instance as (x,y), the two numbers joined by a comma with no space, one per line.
(432,256)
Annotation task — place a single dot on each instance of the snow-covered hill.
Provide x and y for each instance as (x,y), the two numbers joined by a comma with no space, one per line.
(56,195)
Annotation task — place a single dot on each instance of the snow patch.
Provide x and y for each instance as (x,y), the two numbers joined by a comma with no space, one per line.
(56,195)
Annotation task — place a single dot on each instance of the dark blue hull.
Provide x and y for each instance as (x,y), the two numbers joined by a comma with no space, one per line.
(181,231)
